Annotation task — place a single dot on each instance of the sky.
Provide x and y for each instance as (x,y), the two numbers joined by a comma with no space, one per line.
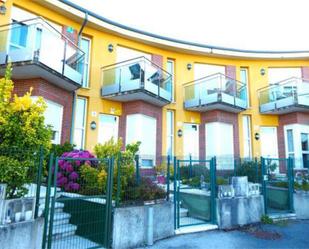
(277,25)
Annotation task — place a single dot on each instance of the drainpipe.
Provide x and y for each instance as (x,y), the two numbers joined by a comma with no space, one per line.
(74,93)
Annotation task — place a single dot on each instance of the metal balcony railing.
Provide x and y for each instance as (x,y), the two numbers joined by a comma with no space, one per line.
(37,41)
(215,89)
(292,92)
(139,74)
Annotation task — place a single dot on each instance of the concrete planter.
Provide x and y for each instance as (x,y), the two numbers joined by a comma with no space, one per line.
(301,204)
(22,235)
(15,210)
(140,225)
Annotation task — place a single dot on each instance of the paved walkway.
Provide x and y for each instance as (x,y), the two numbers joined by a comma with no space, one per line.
(292,234)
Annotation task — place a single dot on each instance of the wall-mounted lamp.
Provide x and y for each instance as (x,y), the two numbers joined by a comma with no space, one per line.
(93,125)
(179,133)
(2,9)
(262,71)
(110,48)
(189,66)
(257,136)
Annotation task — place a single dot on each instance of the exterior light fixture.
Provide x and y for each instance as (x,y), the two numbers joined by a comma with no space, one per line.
(257,136)
(262,71)
(179,133)
(189,66)
(2,9)
(110,48)
(93,125)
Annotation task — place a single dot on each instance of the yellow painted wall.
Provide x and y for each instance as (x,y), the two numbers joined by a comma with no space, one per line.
(101,57)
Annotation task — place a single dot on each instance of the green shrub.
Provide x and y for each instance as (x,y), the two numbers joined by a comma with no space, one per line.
(15,174)
(59,149)
(265,219)
(93,180)
(250,169)
(222,181)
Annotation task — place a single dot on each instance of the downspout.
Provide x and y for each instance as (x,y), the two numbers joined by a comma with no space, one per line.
(74,93)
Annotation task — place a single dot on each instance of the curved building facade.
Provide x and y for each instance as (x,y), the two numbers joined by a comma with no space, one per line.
(102,80)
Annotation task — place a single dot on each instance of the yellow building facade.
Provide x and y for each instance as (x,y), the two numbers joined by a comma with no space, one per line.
(187,63)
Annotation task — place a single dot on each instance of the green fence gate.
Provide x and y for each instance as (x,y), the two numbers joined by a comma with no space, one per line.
(194,192)
(78,214)
(277,185)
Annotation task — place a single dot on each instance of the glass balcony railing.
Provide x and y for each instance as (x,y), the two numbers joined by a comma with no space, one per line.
(284,96)
(216,91)
(137,75)
(37,41)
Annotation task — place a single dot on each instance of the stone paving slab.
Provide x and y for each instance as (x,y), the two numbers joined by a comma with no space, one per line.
(293,235)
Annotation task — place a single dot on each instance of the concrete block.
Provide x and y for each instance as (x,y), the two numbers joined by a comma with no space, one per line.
(301,204)
(22,235)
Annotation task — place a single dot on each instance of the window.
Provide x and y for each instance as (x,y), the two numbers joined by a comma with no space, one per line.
(275,75)
(170,133)
(53,117)
(85,46)
(244,78)
(305,149)
(19,34)
(108,128)
(220,143)
(80,123)
(246,122)
(143,128)
(170,67)
(290,142)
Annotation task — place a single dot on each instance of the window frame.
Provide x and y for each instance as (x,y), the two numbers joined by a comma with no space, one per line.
(169,60)
(246,69)
(170,137)
(83,129)
(87,62)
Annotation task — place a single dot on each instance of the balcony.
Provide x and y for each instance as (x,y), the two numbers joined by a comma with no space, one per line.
(215,92)
(37,50)
(290,95)
(137,79)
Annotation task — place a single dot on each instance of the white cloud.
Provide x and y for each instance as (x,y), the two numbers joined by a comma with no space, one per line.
(245,24)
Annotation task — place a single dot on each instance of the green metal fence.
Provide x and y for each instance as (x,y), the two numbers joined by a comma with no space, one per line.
(194,192)
(277,185)
(79,203)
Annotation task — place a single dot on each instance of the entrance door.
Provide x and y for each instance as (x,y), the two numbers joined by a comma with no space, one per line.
(108,128)
(269,142)
(190,141)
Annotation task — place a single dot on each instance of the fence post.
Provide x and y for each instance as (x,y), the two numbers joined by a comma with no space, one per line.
(190,166)
(47,199)
(109,204)
(51,221)
(137,175)
(256,170)
(264,179)
(168,178)
(178,190)
(118,180)
(291,183)
(175,193)
(213,183)
(38,183)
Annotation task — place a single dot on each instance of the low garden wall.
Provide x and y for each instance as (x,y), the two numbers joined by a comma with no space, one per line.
(140,225)
(301,204)
(239,211)
(22,235)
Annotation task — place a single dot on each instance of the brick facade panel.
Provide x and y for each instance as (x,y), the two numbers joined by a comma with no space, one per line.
(50,92)
(219,116)
(141,107)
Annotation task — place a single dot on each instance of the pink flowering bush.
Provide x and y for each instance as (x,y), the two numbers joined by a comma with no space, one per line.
(68,176)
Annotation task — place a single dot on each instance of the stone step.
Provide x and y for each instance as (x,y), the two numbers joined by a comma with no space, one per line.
(61,216)
(63,231)
(183,212)
(283,216)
